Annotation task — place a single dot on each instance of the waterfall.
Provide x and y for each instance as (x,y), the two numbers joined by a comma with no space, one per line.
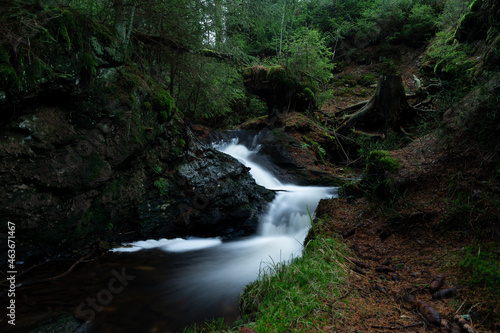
(290,212)
(283,226)
(189,280)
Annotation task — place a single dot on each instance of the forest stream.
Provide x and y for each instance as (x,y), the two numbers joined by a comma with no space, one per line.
(164,285)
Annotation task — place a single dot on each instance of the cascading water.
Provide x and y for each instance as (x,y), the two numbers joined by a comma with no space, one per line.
(205,276)
(289,214)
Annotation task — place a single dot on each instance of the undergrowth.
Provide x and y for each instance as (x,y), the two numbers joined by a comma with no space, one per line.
(481,265)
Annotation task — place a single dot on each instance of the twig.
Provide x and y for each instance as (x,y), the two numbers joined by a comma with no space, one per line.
(396,328)
(30,268)
(346,293)
(305,315)
(37,281)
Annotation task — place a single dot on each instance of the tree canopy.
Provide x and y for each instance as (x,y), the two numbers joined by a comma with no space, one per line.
(195,50)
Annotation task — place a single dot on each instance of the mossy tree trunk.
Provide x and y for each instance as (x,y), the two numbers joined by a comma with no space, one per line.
(118,6)
(387,111)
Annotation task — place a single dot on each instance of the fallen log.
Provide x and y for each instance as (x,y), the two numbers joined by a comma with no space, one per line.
(429,313)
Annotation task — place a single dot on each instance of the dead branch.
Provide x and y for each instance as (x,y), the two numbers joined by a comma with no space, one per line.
(37,281)
(356,106)
(396,328)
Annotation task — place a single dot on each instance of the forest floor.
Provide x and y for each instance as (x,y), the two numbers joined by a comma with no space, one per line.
(405,242)
(405,246)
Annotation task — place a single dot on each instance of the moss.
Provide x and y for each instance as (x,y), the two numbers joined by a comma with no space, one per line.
(65,36)
(278,75)
(475,5)
(381,161)
(70,27)
(377,180)
(89,66)
(163,104)
(308,93)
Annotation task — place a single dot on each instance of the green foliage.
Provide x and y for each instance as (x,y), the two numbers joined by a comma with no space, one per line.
(89,66)
(210,326)
(380,161)
(453,60)
(8,74)
(480,121)
(209,91)
(287,292)
(377,177)
(70,28)
(317,148)
(163,105)
(65,36)
(420,24)
(308,92)
(388,67)
(368,79)
(452,12)
(109,227)
(256,107)
(309,57)
(472,210)
(157,169)
(162,185)
(481,267)
(367,144)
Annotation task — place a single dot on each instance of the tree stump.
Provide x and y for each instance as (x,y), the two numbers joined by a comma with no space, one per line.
(386,111)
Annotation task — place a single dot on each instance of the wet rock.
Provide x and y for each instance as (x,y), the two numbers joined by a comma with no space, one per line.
(222,195)
(279,153)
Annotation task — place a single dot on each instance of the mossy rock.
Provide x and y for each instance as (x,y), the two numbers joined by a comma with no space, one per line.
(163,104)
(381,161)
(279,88)
(377,180)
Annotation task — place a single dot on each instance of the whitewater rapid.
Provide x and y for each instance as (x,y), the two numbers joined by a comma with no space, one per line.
(282,231)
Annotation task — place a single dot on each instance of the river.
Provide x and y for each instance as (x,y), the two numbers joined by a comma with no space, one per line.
(163,285)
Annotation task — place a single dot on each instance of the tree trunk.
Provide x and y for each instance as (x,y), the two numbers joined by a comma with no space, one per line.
(120,19)
(386,111)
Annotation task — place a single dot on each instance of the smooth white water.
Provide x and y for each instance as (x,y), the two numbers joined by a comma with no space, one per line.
(290,212)
(192,279)
(282,229)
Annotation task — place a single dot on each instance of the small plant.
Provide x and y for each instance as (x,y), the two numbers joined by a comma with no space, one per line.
(482,267)
(368,79)
(162,185)
(109,227)
(377,178)
(157,169)
(320,150)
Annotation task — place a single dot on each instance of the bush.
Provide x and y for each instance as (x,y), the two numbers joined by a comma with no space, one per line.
(377,179)
(421,25)
(481,267)
(310,57)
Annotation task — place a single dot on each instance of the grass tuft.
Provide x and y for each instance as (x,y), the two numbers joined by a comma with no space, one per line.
(300,294)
